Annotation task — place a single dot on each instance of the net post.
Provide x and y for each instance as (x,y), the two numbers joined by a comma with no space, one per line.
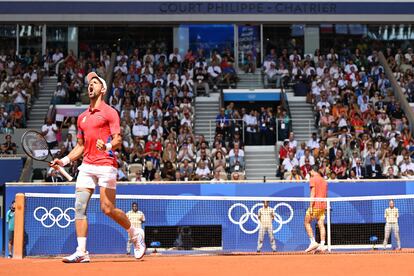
(19,227)
(328,224)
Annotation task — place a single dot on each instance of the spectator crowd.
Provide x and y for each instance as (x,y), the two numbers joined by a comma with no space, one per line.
(362,131)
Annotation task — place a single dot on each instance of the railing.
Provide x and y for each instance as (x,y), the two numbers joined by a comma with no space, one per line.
(277,131)
(308,122)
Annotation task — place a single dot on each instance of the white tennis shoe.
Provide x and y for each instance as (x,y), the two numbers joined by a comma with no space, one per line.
(322,248)
(139,243)
(77,257)
(312,246)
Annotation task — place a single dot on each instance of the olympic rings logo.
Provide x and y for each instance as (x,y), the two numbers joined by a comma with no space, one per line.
(252,214)
(56,215)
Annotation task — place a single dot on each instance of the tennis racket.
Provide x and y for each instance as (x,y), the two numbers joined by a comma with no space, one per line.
(35,146)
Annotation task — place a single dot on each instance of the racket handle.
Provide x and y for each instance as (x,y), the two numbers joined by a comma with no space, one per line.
(64,173)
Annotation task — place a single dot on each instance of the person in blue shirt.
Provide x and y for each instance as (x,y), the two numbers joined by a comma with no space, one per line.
(10,223)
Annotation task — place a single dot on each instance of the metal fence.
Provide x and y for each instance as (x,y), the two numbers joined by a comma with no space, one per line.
(281,131)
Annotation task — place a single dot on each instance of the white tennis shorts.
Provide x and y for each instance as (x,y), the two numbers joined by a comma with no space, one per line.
(90,175)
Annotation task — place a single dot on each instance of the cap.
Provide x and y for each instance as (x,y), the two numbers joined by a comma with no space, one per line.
(92,75)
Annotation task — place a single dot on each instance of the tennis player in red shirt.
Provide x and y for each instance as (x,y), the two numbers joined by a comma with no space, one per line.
(98,137)
(316,211)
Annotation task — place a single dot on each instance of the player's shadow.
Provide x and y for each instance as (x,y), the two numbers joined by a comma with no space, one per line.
(115,260)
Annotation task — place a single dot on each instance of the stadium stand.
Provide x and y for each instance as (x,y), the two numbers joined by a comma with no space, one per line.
(154,96)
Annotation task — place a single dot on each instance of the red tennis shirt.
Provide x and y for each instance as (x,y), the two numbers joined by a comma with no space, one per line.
(99,123)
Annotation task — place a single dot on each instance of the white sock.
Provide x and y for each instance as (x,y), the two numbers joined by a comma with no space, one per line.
(131,230)
(312,240)
(322,242)
(82,244)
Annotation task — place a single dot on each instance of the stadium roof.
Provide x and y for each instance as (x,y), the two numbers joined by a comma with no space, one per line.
(230,11)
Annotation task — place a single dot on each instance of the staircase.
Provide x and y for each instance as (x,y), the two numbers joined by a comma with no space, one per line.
(249,80)
(260,161)
(206,110)
(303,120)
(41,105)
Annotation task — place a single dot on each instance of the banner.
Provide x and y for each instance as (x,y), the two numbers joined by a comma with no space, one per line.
(50,228)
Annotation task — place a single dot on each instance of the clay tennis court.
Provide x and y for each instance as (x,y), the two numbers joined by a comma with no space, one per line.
(369,263)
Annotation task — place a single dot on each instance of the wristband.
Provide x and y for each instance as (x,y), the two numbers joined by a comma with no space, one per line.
(65,160)
(108,146)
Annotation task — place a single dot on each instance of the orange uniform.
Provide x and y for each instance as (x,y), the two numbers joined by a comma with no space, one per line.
(320,186)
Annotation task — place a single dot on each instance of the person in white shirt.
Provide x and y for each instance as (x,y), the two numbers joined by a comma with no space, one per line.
(391,218)
(137,218)
(289,163)
(127,112)
(349,66)
(187,80)
(186,119)
(121,56)
(250,121)
(121,67)
(173,78)
(236,148)
(49,131)
(57,56)
(202,171)
(295,56)
(216,177)
(118,99)
(320,69)
(307,156)
(313,143)
(19,96)
(391,164)
(70,143)
(266,216)
(407,165)
(214,72)
(176,55)
(158,128)
(270,74)
(59,94)
(282,74)
(140,129)
(149,57)
(293,144)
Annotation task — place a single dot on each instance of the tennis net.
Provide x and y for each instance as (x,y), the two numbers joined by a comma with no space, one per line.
(215,224)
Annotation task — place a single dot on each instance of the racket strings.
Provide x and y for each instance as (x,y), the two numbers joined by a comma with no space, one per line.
(35,145)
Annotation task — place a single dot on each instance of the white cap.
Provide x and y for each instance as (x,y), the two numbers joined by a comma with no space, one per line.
(92,75)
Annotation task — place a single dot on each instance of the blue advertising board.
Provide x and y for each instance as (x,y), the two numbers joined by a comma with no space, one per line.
(50,229)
